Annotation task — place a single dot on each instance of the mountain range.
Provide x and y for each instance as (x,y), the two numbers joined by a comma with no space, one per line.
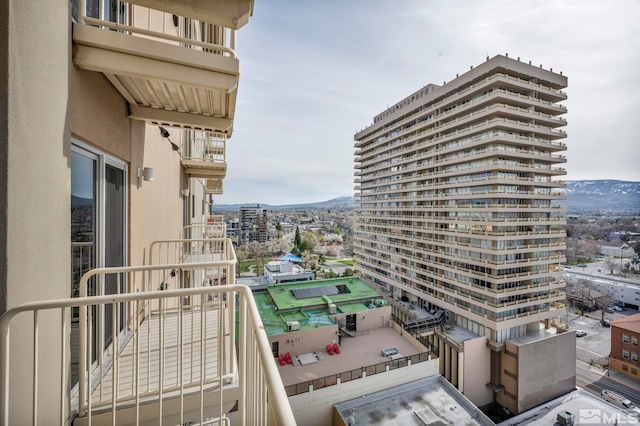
(582,196)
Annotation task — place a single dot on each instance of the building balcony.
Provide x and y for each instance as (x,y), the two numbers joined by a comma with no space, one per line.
(213,186)
(205,156)
(174,62)
(160,343)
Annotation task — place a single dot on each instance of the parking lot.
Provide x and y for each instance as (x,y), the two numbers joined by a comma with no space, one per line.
(596,344)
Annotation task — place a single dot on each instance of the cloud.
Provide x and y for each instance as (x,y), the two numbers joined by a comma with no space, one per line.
(315,73)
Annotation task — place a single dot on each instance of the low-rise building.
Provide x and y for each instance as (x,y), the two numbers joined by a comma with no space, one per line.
(625,334)
(284,271)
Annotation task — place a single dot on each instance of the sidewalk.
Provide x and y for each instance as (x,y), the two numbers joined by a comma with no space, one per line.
(619,378)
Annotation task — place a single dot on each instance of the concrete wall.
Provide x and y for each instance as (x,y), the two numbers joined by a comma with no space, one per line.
(508,377)
(476,372)
(408,337)
(315,408)
(369,319)
(556,357)
(306,341)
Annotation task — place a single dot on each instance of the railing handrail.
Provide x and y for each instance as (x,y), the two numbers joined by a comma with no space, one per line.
(84,19)
(278,402)
(428,354)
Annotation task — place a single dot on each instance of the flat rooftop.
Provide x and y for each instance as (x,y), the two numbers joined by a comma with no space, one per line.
(534,336)
(279,305)
(430,401)
(355,352)
(586,407)
(350,290)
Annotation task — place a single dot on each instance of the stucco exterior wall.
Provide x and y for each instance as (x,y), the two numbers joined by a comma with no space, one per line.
(35,188)
(556,356)
(368,319)
(475,377)
(306,341)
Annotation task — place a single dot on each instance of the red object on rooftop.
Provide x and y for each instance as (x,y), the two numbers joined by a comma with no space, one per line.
(329,349)
(282,361)
(287,357)
(336,348)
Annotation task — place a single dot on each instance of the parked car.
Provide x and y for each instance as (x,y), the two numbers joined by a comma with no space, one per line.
(610,309)
(617,308)
(581,333)
(605,323)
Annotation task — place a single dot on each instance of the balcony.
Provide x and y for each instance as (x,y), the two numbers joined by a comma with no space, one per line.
(213,186)
(205,156)
(159,343)
(172,69)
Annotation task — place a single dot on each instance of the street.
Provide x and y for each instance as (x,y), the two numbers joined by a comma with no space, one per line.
(594,380)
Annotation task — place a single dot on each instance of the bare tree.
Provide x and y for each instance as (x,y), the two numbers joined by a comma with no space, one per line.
(611,264)
(256,251)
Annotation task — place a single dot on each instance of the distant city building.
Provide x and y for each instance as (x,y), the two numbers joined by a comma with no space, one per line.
(617,249)
(626,294)
(253,224)
(625,334)
(284,271)
(455,212)
(233,229)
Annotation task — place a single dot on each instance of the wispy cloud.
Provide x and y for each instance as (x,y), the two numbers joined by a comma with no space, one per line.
(314,73)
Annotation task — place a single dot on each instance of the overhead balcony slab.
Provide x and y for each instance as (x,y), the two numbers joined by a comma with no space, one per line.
(164,84)
(213,186)
(227,13)
(204,169)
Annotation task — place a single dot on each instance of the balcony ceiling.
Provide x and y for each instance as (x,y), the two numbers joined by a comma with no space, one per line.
(232,14)
(204,169)
(164,84)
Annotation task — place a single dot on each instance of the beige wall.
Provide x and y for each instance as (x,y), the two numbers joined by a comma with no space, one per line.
(556,356)
(305,341)
(34,187)
(408,337)
(156,207)
(316,408)
(475,371)
(509,363)
(369,319)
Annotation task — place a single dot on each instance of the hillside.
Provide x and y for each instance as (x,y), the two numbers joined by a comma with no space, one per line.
(582,196)
(603,195)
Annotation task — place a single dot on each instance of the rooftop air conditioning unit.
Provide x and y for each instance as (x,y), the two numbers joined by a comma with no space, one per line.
(293,325)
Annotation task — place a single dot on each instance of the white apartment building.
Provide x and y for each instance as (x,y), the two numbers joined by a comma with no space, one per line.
(115,117)
(455,192)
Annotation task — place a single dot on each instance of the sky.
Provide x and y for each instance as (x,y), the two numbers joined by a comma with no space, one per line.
(313,73)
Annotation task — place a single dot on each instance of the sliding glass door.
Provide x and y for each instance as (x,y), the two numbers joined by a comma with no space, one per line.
(98,229)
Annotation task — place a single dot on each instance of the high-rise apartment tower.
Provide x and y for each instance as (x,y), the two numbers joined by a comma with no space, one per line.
(253,224)
(456,221)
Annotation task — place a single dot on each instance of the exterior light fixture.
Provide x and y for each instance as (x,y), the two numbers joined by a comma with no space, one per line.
(146,173)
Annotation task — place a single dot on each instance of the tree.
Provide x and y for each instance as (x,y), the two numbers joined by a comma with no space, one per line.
(610,263)
(256,252)
(298,240)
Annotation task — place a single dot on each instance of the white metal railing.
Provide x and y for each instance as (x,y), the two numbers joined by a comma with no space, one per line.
(202,249)
(189,32)
(171,355)
(207,227)
(209,148)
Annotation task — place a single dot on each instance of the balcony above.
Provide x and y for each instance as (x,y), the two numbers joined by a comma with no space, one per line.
(213,186)
(173,71)
(205,157)
(226,13)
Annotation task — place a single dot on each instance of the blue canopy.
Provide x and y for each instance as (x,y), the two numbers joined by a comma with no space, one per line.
(291,257)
